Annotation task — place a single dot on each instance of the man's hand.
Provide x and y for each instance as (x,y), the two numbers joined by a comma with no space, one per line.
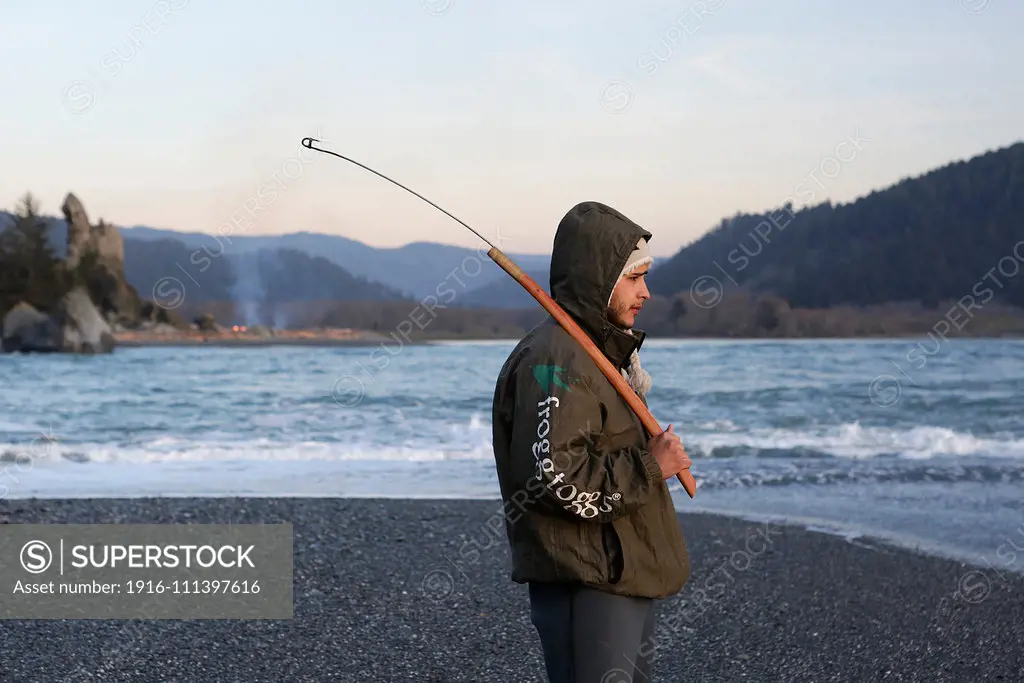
(667,449)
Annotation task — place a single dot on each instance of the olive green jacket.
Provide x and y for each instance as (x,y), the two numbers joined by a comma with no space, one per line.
(584,500)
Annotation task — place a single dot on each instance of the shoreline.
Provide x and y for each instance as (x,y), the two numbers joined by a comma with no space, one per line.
(236,343)
(850,534)
(861,536)
(434,341)
(419,590)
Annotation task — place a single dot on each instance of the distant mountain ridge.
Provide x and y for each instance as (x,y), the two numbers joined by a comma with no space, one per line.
(417,269)
(925,239)
(258,282)
(506,292)
(952,234)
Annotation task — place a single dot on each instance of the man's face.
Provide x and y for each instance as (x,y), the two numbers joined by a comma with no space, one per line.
(629,295)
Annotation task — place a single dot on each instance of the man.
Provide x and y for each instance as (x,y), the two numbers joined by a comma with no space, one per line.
(589,518)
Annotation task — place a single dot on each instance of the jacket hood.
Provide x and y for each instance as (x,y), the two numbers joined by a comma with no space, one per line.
(592,244)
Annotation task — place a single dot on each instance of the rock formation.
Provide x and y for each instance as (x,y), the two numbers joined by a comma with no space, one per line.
(83,328)
(75,327)
(26,329)
(100,250)
(99,297)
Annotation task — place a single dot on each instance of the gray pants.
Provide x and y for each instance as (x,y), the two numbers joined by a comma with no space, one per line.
(589,636)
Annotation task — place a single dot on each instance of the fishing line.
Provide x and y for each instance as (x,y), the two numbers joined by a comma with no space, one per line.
(308,144)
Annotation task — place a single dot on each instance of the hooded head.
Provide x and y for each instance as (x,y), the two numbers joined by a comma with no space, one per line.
(594,246)
(630,290)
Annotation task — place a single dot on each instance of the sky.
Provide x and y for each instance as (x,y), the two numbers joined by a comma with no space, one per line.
(188,115)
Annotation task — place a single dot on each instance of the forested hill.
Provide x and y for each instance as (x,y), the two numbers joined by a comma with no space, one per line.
(925,239)
(264,276)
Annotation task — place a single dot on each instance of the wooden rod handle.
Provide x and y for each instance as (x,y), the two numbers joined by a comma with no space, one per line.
(609,370)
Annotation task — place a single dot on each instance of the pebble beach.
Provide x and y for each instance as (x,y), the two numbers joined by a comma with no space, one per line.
(384,592)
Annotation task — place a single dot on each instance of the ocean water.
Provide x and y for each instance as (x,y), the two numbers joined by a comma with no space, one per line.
(918,441)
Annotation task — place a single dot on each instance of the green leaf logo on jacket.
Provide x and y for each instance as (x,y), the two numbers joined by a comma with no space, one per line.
(546,375)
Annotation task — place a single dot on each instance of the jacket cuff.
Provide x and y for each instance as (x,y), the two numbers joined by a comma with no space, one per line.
(652,466)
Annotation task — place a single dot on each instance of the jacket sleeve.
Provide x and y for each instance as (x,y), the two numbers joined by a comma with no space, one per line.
(563,458)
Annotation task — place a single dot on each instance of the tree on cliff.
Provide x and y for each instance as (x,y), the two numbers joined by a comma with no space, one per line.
(29,269)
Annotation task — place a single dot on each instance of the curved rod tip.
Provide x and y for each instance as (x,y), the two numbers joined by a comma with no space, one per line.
(308,142)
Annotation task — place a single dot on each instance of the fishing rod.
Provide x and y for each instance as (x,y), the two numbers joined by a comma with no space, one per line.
(556,311)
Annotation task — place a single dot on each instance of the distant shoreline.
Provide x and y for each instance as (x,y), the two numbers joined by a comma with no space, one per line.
(228,342)
(258,342)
